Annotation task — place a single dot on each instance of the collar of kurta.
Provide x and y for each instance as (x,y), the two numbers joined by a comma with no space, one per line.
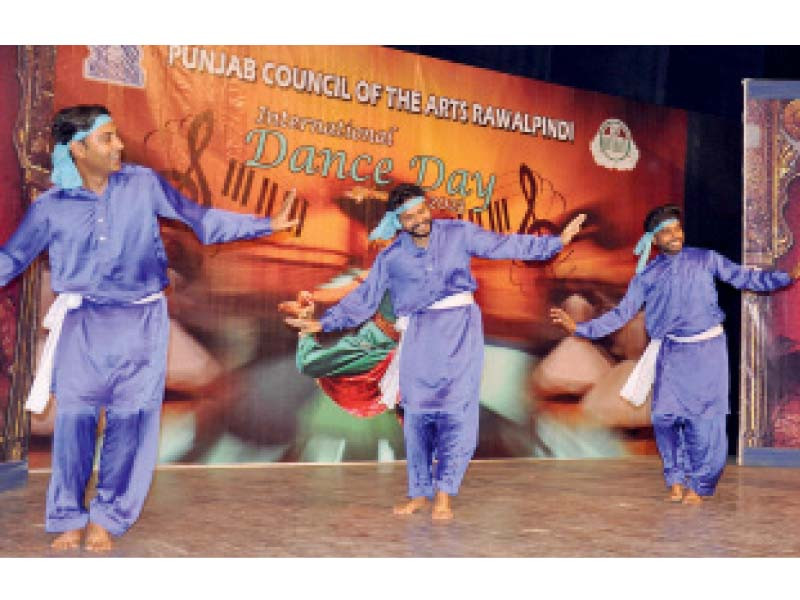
(663,257)
(82,193)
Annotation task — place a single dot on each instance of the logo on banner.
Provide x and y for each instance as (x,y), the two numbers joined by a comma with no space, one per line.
(613,146)
(121,65)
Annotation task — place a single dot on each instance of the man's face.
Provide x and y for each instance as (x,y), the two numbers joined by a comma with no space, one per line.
(670,239)
(99,153)
(417,220)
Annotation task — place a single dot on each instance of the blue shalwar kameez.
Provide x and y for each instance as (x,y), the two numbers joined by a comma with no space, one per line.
(112,352)
(690,391)
(442,356)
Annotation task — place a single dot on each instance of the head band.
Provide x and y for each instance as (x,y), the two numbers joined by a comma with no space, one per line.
(65,173)
(645,244)
(390,224)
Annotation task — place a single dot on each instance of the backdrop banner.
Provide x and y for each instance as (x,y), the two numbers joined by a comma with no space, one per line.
(237,127)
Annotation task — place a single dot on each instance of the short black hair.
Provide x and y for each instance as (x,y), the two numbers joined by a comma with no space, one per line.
(401,194)
(69,121)
(660,214)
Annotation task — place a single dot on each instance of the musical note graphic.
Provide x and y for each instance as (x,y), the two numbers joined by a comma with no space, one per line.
(192,182)
(536,189)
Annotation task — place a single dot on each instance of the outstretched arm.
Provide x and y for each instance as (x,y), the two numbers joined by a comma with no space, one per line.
(610,321)
(750,279)
(352,310)
(25,244)
(488,244)
(214,225)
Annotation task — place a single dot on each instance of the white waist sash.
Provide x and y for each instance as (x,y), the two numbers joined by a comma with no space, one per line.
(53,320)
(390,382)
(641,378)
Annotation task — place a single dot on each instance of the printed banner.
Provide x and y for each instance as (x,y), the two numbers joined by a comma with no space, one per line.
(237,127)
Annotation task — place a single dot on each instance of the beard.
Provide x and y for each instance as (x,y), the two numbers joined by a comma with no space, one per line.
(672,248)
(417,230)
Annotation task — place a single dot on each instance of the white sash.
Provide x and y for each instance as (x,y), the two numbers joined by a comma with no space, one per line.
(53,320)
(641,378)
(390,382)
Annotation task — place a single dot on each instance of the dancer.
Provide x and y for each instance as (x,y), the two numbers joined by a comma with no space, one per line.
(99,224)
(686,362)
(350,370)
(439,359)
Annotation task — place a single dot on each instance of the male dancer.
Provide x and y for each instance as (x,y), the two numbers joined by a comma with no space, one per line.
(687,359)
(99,224)
(426,270)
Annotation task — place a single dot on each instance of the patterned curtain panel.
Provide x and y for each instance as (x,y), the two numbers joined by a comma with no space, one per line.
(770,428)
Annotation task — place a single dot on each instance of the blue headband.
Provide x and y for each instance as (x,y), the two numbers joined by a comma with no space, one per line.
(645,244)
(390,224)
(65,173)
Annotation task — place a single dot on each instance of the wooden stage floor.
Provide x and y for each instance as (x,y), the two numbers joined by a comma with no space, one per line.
(517,508)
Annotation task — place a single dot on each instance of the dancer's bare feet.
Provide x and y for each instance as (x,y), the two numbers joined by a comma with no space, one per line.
(441,507)
(97,538)
(692,497)
(412,506)
(675,493)
(67,540)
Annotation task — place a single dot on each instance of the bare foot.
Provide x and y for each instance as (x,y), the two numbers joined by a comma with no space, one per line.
(67,540)
(441,507)
(692,497)
(412,506)
(675,493)
(97,538)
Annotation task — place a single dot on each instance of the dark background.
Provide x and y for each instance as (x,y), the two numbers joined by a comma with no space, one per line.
(705,80)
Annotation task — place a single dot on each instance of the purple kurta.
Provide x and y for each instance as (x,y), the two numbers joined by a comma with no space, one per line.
(442,358)
(690,391)
(112,353)
(680,298)
(109,247)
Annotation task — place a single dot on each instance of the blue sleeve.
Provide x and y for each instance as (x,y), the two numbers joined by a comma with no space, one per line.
(210,225)
(616,317)
(31,237)
(748,279)
(488,244)
(360,304)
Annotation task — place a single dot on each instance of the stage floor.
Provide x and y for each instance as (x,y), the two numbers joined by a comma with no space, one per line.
(517,508)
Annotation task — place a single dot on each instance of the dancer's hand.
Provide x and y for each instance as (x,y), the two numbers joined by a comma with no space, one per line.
(302,308)
(306,326)
(795,272)
(281,221)
(563,320)
(572,228)
(306,301)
